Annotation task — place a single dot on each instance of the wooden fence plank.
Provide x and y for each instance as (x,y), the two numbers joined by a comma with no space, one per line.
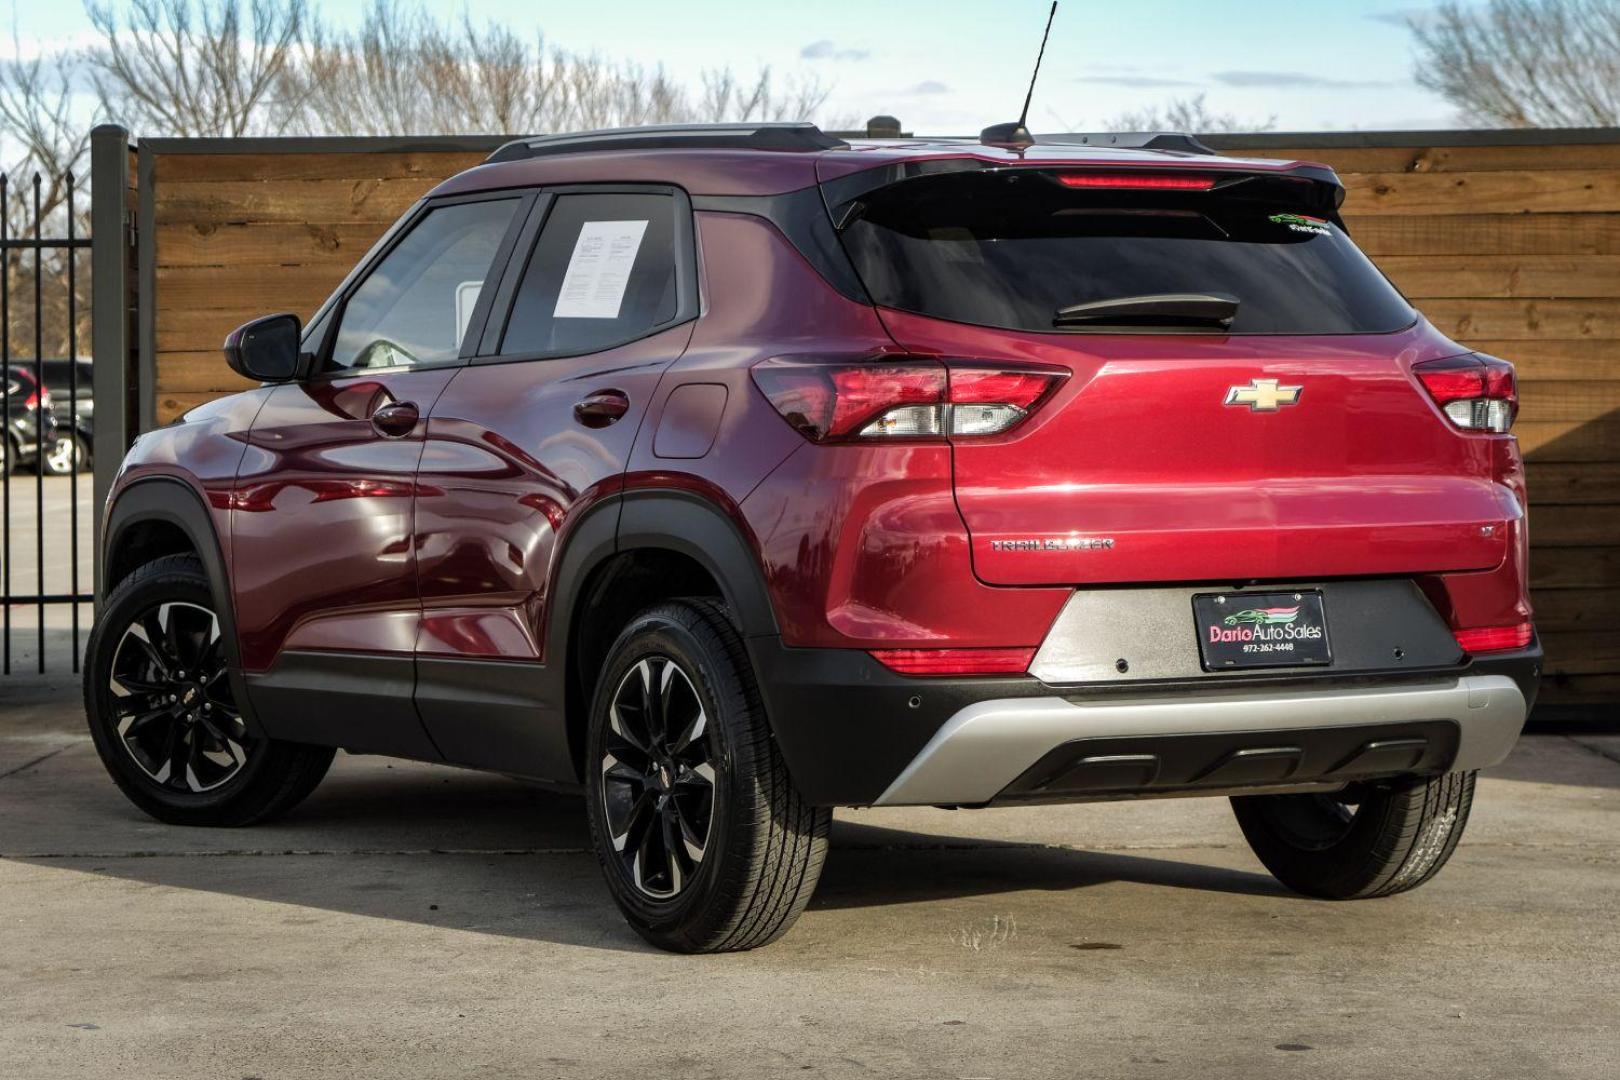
(1556,358)
(1596,651)
(1468,233)
(1525,319)
(1576,526)
(1426,276)
(295,201)
(1551,400)
(1577,191)
(1577,609)
(1572,568)
(433,165)
(1553,484)
(1448,159)
(339,244)
(1598,691)
(1569,441)
(300,289)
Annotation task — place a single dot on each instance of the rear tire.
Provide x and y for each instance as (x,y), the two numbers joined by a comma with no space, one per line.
(705,843)
(157,692)
(1395,837)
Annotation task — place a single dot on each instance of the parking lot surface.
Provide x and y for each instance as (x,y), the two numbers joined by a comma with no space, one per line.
(415,921)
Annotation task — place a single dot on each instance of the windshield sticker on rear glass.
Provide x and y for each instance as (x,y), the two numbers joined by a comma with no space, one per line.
(1303,223)
(599,271)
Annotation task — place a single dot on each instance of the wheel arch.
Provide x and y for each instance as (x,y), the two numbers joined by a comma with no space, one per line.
(165,515)
(643,547)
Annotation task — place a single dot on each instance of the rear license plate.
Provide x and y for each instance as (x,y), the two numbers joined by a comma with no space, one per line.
(1250,630)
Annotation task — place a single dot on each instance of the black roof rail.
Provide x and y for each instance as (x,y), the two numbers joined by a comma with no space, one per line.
(1174,141)
(791,138)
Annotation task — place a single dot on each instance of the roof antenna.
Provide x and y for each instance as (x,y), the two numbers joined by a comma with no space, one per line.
(1016,135)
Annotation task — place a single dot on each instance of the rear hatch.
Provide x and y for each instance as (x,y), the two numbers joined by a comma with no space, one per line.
(1238,401)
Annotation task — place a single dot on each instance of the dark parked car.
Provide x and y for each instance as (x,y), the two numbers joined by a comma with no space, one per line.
(733,474)
(20,436)
(75,436)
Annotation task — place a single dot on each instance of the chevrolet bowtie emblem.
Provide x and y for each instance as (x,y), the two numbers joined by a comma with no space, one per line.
(1263,395)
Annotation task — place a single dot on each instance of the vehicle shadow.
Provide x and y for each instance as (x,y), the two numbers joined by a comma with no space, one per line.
(484,854)
(871,866)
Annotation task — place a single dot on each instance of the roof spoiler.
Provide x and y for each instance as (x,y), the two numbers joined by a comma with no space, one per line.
(786,138)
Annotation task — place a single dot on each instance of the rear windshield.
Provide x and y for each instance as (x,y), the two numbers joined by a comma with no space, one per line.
(1010,249)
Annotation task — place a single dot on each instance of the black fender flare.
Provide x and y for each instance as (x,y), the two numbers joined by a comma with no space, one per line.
(665,519)
(173,501)
(660,519)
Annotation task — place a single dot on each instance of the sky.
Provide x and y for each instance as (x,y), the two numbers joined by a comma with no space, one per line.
(953,66)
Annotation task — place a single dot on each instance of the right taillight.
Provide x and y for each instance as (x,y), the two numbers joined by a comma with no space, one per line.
(902,398)
(1476,392)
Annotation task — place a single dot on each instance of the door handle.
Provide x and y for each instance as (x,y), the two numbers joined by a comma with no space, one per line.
(396,419)
(602,408)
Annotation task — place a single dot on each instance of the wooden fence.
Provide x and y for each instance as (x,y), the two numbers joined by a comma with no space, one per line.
(1508,241)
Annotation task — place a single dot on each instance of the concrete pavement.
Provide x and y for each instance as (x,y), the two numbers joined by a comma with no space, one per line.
(414,921)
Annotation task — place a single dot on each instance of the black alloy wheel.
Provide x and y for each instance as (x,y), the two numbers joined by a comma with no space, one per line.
(174,712)
(659,771)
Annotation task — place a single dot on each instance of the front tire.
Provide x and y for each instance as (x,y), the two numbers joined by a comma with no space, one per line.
(705,843)
(157,691)
(1371,840)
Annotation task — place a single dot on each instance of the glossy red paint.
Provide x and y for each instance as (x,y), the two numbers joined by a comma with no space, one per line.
(510,465)
(311,570)
(1359,476)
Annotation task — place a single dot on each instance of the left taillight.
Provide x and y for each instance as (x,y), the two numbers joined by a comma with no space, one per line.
(905,398)
(1476,392)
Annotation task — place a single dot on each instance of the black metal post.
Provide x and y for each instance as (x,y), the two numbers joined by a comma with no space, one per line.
(74,451)
(39,429)
(5,429)
(110,242)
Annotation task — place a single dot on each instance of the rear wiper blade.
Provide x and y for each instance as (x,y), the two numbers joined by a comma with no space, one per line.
(1158,309)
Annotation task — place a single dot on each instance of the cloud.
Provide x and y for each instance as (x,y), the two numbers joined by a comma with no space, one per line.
(1291,80)
(1135,82)
(831,50)
(928,86)
(1402,18)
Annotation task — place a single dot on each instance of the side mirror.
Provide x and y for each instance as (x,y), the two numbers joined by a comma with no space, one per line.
(266,349)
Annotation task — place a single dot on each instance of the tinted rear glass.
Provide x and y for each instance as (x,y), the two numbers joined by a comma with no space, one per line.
(1010,249)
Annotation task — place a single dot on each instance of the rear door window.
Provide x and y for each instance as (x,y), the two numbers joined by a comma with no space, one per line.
(602,273)
(1010,249)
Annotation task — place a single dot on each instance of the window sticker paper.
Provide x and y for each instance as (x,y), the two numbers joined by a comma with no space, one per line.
(599,270)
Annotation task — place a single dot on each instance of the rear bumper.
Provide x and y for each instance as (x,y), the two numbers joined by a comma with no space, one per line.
(856,734)
(1055,748)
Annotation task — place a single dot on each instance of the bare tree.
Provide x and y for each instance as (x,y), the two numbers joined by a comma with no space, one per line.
(404,71)
(1524,63)
(36,98)
(1186,114)
(50,143)
(725,97)
(179,67)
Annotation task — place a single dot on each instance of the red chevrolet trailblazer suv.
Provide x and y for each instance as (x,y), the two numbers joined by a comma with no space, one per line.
(735,473)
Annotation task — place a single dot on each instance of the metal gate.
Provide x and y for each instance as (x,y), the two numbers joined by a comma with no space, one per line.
(43,566)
